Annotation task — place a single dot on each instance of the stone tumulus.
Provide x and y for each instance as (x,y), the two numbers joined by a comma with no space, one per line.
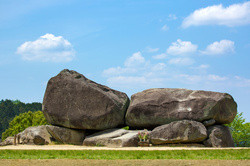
(81,111)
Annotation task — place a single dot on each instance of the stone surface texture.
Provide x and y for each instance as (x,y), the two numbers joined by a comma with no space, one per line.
(154,107)
(219,136)
(73,101)
(7,141)
(37,135)
(113,138)
(208,123)
(185,131)
(65,135)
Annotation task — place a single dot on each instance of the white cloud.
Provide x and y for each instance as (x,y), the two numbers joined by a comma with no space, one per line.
(160,56)
(221,47)
(212,82)
(181,61)
(242,82)
(118,70)
(201,67)
(213,77)
(190,79)
(134,82)
(165,28)
(150,50)
(205,79)
(181,48)
(134,60)
(113,71)
(172,17)
(47,48)
(138,74)
(131,65)
(159,67)
(233,15)
(125,80)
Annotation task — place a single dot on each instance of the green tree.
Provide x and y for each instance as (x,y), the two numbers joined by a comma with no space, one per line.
(240,131)
(23,121)
(9,109)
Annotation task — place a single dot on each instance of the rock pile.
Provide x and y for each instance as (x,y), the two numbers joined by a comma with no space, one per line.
(183,116)
(77,106)
(45,134)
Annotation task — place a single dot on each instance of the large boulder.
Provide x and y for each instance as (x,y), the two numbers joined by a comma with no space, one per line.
(66,135)
(37,135)
(73,101)
(185,131)
(219,136)
(113,138)
(154,107)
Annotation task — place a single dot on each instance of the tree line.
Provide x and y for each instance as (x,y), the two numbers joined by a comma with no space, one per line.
(23,121)
(11,108)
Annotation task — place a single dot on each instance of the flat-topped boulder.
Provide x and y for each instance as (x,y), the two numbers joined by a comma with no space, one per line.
(185,131)
(73,101)
(113,138)
(154,107)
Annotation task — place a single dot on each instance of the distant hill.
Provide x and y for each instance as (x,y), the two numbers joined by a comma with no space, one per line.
(11,108)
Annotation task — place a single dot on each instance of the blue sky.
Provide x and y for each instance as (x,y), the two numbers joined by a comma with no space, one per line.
(127,45)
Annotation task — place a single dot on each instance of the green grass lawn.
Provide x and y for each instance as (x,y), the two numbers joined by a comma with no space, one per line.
(227,154)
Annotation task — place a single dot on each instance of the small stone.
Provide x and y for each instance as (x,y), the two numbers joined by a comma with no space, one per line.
(209,122)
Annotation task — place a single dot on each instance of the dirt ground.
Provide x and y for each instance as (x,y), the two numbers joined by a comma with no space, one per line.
(74,147)
(67,162)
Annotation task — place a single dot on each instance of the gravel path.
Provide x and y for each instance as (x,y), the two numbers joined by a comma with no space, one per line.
(74,147)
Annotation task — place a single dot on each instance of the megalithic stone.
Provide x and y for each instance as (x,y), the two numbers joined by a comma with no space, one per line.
(73,101)
(155,107)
